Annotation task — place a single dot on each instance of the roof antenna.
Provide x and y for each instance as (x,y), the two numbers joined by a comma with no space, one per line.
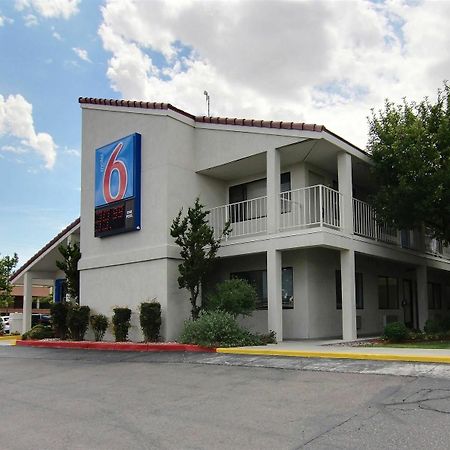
(207,102)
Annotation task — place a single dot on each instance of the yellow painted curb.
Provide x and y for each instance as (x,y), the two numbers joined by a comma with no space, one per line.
(336,355)
(11,337)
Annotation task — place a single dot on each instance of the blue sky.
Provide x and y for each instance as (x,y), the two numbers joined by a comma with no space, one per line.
(251,56)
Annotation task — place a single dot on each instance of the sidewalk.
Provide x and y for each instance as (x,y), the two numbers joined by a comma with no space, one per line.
(332,349)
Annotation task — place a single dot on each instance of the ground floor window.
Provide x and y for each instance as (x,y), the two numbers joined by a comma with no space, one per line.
(434,296)
(358,290)
(387,293)
(258,279)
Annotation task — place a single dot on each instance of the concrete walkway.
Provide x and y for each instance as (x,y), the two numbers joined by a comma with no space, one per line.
(337,349)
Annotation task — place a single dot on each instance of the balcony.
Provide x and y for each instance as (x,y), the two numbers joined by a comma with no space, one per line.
(366,225)
(314,206)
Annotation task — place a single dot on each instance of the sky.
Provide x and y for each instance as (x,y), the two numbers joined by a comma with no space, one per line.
(326,62)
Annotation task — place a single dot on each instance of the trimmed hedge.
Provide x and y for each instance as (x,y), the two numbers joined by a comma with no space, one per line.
(78,321)
(121,323)
(39,331)
(396,332)
(150,320)
(99,324)
(220,329)
(58,312)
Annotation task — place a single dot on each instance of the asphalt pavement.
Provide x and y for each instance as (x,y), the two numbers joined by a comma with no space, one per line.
(85,399)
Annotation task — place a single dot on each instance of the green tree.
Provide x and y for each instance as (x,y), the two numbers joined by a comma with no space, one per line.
(195,238)
(410,145)
(7,265)
(234,296)
(69,265)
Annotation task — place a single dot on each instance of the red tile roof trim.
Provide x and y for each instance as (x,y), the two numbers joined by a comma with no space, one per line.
(205,119)
(45,248)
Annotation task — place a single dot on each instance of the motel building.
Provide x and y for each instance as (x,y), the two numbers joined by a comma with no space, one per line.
(302,230)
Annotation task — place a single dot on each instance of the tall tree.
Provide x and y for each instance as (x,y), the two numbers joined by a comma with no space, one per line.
(410,145)
(7,265)
(199,248)
(69,265)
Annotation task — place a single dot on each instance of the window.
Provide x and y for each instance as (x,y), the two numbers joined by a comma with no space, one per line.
(258,278)
(387,293)
(358,290)
(434,296)
(252,190)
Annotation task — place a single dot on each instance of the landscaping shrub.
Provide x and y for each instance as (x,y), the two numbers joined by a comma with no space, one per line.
(99,324)
(77,321)
(432,326)
(39,331)
(396,332)
(121,323)
(150,320)
(235,296)
(217,329)
(58,311)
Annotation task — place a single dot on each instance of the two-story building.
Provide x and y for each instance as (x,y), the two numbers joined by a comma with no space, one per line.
(302,230)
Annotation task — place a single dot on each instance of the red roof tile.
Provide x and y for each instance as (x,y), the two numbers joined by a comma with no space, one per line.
(204,119)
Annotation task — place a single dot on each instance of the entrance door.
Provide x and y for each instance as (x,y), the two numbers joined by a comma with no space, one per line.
(409,304)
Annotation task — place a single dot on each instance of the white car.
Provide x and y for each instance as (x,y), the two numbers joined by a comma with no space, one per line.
(6,327)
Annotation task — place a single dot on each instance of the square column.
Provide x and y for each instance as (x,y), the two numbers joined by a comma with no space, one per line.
(273,190)
(345,182)
(27,301)
(275,305)
(348,295)
(422,295)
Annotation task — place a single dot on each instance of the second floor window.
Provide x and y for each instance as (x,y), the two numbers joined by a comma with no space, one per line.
(239,211)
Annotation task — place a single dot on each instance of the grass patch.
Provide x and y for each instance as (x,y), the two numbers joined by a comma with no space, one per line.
(423,344)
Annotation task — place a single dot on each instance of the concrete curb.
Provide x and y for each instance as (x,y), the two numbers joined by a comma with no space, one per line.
(117,346)
(10,337)
(337,355)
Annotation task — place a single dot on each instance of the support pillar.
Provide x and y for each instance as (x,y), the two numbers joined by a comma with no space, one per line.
(422,295)
(275,305)
(348,295)
(345,183)
(273,190)
(27,301)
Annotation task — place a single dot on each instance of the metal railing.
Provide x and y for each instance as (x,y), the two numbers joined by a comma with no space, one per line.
(311,206)
(245,218)
(366,225)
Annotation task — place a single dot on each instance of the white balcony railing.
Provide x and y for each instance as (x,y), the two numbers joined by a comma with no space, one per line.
(365,224)
(246,218)
(311,206)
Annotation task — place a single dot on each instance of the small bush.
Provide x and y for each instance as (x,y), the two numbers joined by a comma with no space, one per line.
(39,331)
(58,311)
(235,296)
(396,332)
(121,323)
(217,329)
(99,324)
(432,326)
(150,320)
(77,321)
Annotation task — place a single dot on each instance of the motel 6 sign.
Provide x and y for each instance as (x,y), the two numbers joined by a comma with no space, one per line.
(118,186)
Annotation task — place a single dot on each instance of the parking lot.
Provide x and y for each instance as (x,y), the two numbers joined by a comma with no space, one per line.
(65,399)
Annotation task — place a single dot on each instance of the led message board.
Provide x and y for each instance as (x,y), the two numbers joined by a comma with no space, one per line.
(118,186)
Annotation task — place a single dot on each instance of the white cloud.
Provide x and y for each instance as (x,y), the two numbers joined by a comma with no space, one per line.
(5,20)
(50,8)
(30,20)
(82,54)
(16,120)
(72,152)
(56,35)
(314,61)
(12,149)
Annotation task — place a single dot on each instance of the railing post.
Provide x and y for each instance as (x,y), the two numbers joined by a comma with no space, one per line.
(321,212)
